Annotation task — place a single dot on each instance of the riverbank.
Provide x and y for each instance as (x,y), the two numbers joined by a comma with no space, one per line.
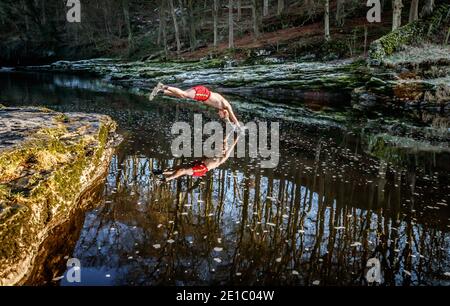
(48,160)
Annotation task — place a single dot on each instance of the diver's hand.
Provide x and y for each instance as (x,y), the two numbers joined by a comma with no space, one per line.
(239,128)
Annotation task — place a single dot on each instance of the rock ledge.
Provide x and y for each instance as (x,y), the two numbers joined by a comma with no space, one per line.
(47,161)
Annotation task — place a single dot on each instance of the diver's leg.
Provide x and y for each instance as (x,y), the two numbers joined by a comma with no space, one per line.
(180,172)
(176,92)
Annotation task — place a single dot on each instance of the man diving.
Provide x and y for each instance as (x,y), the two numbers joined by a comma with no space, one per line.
(202,95)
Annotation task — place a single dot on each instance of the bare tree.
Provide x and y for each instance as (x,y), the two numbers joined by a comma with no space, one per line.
(280,7)
(255,18)
(162,21)
(266,8)
(184,22)
(428,7)
(340,13)
(397,6)
(230,25)
(192,26)
(215,21)
(239,9)
(175,25)
(414,11)
(327,20)
(126,14)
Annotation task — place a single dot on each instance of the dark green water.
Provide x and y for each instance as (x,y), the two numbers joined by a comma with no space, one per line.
(315,219)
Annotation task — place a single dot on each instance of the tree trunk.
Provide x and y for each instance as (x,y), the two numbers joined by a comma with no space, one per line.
(192,26)
(164,27)
(215,21)
(255,18)
(161,21)
(175,25)
(327,20)
(230,25)
(428,8)
(397,6)
(266,8)
(414,11)
(184,31)
(280,7)
(126,15)
(239,9)
(340,13)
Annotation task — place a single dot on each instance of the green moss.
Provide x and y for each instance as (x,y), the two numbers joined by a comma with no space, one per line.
(411,33)
(50,197)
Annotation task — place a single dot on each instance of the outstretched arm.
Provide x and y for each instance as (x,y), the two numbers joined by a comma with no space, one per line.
(229,109)
(229,150)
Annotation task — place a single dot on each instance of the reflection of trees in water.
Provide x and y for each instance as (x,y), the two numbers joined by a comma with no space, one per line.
(270,228)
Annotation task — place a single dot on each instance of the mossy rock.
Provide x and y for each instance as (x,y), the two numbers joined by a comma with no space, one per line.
(411,33)
(47,161)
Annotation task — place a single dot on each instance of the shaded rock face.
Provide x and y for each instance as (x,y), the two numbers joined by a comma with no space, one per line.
(47,162)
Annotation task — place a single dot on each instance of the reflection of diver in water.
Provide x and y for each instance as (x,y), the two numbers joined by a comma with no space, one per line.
(199,168)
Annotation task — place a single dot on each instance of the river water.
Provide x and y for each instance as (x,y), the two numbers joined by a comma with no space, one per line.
(316,219)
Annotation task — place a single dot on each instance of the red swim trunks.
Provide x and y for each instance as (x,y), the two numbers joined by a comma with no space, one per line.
(201,93)
(199,169)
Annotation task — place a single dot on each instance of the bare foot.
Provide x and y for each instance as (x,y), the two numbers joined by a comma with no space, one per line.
(159,87)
